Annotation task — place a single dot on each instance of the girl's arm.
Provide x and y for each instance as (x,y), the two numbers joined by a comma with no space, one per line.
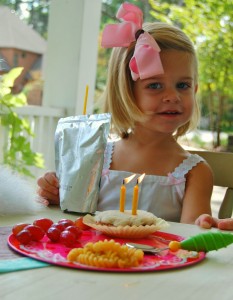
(198,191)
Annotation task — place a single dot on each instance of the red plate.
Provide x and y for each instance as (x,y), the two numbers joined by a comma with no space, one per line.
(56,253)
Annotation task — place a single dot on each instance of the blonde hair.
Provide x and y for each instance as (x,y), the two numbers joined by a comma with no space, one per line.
(118,96)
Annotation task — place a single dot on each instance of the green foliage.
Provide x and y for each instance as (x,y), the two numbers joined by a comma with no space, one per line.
(17,151)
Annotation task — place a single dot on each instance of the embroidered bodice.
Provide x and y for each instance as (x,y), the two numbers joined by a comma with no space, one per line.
(161,195)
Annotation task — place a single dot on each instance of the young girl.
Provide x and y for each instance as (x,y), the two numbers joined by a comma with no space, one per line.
(151,94)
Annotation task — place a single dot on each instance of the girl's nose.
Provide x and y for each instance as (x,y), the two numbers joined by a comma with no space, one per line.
(171,96)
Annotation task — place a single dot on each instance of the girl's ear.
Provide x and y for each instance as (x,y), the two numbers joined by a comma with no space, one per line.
(196,88)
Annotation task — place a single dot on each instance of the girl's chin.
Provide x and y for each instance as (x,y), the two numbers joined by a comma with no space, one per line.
(155,129)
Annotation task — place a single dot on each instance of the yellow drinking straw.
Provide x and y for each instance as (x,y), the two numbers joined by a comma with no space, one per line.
(85,100)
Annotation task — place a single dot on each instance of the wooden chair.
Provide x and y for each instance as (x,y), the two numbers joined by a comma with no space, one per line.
(222,166)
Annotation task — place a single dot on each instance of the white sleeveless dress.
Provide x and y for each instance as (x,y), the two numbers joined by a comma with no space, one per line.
(161,195)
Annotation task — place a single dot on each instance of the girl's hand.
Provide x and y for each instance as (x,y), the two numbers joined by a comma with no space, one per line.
(206,221)
(48,187)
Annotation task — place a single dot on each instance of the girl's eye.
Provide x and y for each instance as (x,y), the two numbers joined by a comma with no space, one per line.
(155,85)
(183,85)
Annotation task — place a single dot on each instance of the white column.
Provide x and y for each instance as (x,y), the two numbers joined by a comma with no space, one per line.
(71,57)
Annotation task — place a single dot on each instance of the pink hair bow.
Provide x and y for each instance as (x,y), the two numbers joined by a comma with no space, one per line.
(146,61)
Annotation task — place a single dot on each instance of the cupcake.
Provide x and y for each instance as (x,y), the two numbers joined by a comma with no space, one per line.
(125,225)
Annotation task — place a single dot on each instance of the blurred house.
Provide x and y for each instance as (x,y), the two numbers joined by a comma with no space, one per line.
(21,46)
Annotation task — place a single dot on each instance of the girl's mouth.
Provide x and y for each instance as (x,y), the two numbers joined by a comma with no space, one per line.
(169,112)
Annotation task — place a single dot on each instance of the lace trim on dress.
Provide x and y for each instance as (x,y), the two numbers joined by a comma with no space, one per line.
(107,158)
(191,161)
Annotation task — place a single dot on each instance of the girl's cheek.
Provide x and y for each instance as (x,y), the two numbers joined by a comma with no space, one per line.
(149,113)
(148,107)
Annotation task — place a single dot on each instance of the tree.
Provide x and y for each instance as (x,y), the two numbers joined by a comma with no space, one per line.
(34,12)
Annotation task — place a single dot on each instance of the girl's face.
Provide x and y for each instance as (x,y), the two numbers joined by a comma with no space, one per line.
(168,99)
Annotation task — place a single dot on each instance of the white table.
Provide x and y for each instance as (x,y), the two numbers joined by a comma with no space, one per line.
(210,279)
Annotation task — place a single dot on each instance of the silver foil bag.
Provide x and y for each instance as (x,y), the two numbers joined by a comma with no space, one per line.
(80,142)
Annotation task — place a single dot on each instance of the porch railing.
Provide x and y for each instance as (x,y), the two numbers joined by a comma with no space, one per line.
(43,122)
